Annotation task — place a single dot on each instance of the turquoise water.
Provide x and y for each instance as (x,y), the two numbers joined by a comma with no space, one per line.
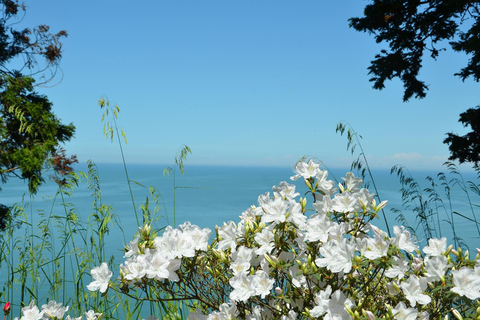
(208,196)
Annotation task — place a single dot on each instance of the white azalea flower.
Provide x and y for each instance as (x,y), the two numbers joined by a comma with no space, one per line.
(337,256)
(92,315)
(243,288)
(344,202)
(322,298)
(101,276)
(228,236)
(317,228)
(136,268)
(266,240)
(285,190)
(324,185)
(323,205)
(263,284)
(131,248)
(466,283)
(239,267)
(403,239)
(436,266)
(31,312)
(305,170)
(336,307)
(436,247)
(275,211)
(376,247)
(353,183)
(401,312)
(157,265)
(398,269)
(413,289)
(54,309)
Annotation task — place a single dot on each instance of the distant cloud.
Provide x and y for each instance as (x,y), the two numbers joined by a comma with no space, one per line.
(407,156)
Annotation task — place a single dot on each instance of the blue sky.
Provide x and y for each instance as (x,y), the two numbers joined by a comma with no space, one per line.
(242,83)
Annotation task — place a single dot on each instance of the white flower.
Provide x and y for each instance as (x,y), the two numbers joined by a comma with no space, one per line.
(54,309)
(323,204)
(403,239)
(228,236)
(285,190)
(376,247)
(398,269)
(199,237)
(401,312)
(266,240)
(176,244)
(305,170)
(101,276)
(436,266)
(344,202)
(92,315)
(317,228)
(239,267)
(436,247)
(336,307)
(243,288)
(324,185)
(337,256)
(228,312)
(322,299)
(275,211)
(31,312)
(296,216)
(136,268)
(157,265)
(413,289)
(466,283)
(263,284)
(353,183)
(131,248)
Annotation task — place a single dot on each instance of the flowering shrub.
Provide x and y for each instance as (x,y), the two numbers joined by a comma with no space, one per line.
(51,310)
(286,261)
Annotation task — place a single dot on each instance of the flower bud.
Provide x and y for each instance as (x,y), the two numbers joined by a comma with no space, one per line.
(369,315)
(309,185)
(6,308)
(457,314)
(350,312)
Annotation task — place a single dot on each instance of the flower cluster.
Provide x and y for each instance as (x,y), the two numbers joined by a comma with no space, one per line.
(52,310)
(286,261)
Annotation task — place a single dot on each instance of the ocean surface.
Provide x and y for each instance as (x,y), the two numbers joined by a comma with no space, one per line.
(208,196)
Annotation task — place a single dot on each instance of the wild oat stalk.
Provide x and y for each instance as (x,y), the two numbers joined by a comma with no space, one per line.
(360,163)
(110,128)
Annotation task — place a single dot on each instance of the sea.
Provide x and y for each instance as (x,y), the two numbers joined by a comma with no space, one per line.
(208,196)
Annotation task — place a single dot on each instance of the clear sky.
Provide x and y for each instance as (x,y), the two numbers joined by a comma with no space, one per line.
(242,83)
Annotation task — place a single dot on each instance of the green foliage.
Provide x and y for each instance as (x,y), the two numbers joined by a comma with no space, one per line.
(28,44)
(466,148)
(415,28)
(29,132)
